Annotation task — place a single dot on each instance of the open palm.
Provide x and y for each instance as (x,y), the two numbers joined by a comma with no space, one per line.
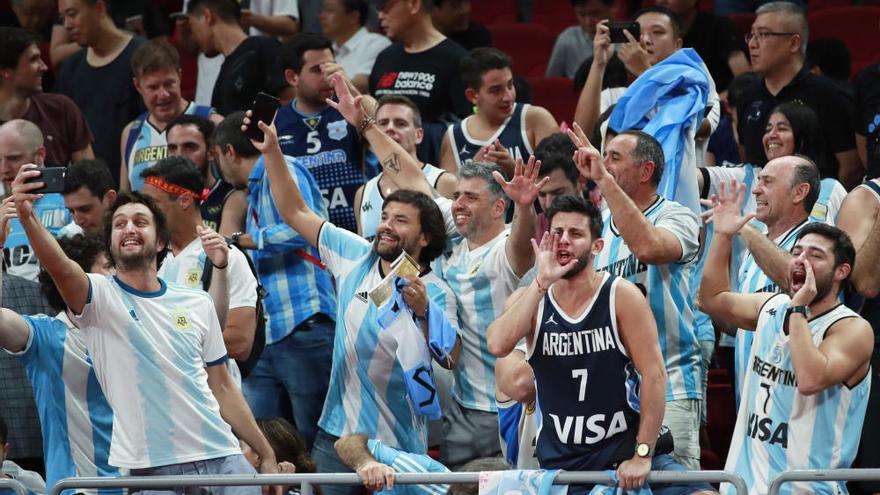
(522,188)
(727,208)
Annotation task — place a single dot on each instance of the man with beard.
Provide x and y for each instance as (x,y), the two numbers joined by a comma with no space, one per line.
(592,343)
(368,391)
(807,381)
(157,348)
(654,243)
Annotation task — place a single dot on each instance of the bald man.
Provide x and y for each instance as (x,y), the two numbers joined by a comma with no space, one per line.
(21,142)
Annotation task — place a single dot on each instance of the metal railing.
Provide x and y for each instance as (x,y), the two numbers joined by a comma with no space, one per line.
(819,475)
(10,484)
(305,481)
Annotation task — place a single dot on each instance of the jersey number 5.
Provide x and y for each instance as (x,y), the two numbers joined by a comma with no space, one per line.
(314,142)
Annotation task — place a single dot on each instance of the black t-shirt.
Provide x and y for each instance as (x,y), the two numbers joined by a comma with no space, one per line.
(834,109)
(714,38)
(475,36)
(867,115)
(431,79)
(251,68)
(106,97)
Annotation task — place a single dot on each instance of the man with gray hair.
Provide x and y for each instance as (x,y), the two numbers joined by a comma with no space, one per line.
(653,242)
(484,268)
(777,47)
(21,142)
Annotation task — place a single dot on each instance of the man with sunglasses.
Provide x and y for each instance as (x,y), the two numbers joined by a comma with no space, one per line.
(777,47)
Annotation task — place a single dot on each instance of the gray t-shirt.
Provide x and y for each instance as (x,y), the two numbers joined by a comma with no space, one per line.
(572,47)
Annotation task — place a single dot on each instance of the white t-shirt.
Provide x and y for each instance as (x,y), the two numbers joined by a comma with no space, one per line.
(358,54)
(186,269)
(273,8)
(150,351)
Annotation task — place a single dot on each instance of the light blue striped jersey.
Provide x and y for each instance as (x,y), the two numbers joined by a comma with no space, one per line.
(668,288)
(406,462)
(370,214)
(151,145)
(482,280)
(751,280)
(19,259)
(150,352)
(778,428)
(76,419)
(296,287)
(367,392)
(518,426)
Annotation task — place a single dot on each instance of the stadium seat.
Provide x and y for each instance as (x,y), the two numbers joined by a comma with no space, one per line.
(720,416)
(816,5)
(742,22)
(719,375)
(857,26)
(527,44)
(490,12)
(556,94)
(555,15)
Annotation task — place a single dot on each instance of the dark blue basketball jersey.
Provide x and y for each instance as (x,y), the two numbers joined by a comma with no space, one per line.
(587,386)
(331,149)
(512,135)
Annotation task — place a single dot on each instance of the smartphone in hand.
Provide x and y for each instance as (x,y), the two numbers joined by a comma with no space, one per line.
(616,31)
(52,179)
(264,109)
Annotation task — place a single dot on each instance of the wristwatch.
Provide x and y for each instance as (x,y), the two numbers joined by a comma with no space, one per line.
(235,238)
(804,310)
(644,450)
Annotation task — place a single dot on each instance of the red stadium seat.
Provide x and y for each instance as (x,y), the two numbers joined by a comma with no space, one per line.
(742,22)
(489,12)
(556,94)
(816,5)
(527,44)
(857,26)
(555,15)
(720,416)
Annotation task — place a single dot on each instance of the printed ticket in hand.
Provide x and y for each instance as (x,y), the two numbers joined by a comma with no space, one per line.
(404,266)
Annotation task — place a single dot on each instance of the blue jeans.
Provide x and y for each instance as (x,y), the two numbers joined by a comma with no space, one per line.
(234,464)
(325,457)
(298,365)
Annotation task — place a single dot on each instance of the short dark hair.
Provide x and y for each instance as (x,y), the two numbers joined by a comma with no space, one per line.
(401,100)
(163,233)
(844,251)
(154,55)
(359,6)
(293,50)
(228,132)
(831,55)
(228,10)
(806,172)
(83,249)
(180,171)
(647,149)
(809,139)
(577,204)
(478,62)
(94,175)
(13,43)
(555,153)
(674,20)
(204,126)
(430,218)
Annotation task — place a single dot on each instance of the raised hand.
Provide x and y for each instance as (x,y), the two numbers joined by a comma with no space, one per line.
(22,191)
(634,55)
(807,292)
(602,49)
(586,157)
(214,245)
(549,269)
(496,153)
(7,213)
(416,296)
(270,135)
(727,210)
(523,188)
(349,106)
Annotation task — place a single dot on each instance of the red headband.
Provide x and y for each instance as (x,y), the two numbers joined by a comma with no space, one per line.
(160,183)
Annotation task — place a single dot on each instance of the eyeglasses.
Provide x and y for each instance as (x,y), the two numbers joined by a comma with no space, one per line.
(763,35)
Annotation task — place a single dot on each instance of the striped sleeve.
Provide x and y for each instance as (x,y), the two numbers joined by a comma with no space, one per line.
(407,463)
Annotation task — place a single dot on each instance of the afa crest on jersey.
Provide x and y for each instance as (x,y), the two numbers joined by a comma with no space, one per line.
(338,130)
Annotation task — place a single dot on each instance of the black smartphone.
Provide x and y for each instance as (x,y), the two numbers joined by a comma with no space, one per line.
(616,31)
(264,109)
(52,179)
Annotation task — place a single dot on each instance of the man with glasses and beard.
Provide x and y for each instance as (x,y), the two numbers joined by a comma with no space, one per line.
(594,348)
(157,348)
